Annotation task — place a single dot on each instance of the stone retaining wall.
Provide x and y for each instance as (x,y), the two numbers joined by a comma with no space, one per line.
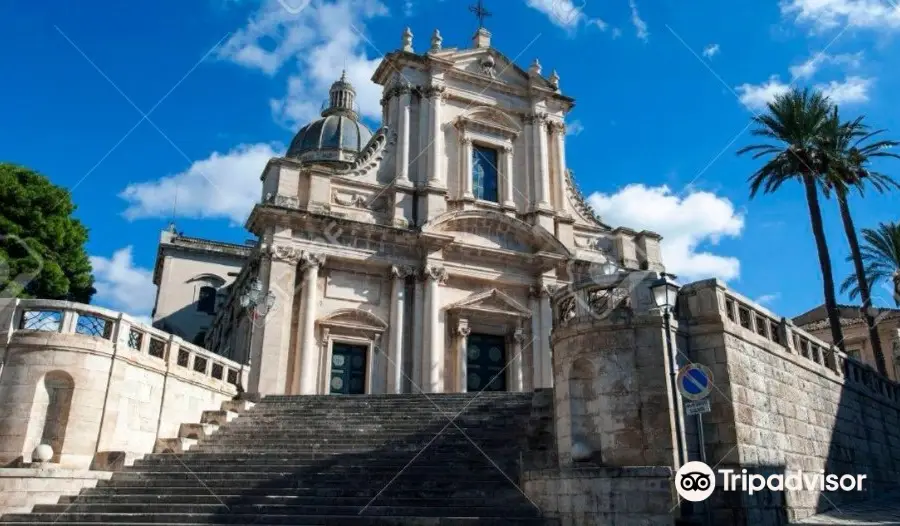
(785,401)
(22,488)
(596,495)
(92,381)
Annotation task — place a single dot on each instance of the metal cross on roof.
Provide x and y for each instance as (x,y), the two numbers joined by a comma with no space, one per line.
(480,13)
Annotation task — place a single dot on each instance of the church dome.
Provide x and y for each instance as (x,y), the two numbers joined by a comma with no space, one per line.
(338,136)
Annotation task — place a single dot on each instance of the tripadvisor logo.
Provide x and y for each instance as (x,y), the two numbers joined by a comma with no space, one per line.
(695,481)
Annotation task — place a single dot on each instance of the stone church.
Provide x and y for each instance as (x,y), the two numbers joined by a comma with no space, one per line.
(420,256)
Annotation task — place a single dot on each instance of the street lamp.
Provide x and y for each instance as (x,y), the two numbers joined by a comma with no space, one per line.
(665,293)
(609,267)
(256,304)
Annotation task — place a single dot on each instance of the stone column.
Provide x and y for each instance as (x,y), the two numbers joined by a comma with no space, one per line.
(465,168)
(307,374)
(403,135)
(398,307)
(508,187)
(435,172)
(516,371)
(558,130)
(432,375)
(544,337)
(270,346)
(462,345)
(537,362)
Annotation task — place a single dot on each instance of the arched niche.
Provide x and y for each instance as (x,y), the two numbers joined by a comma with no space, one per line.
(50,410)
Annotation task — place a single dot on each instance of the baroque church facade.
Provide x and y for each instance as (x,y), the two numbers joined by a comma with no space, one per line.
(420,256)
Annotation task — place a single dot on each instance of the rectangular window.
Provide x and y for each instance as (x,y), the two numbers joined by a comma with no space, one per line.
(855,354)
(484,173)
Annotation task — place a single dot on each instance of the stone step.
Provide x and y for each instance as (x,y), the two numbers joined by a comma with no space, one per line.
(237,406)
(216,510)
(278,478)
(173,445)
(218,418)
(510,497)
(269,520)
(431,454)
(196,431)
(313,491)
(312,469)
(404,482)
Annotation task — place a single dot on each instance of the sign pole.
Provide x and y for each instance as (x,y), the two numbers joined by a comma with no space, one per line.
(701,437)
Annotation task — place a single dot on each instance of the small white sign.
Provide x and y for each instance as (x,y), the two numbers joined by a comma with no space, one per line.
(697,407)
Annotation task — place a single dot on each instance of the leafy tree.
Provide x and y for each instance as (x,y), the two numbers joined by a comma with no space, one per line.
(881,256)
(795,122)
(42,251)
(847,155)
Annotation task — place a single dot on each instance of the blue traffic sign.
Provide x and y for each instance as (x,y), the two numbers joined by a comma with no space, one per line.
(694,381)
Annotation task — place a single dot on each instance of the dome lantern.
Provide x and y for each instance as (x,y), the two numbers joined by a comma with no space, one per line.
(336,138)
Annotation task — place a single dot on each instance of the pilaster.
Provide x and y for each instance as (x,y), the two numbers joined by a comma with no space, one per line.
(398,308)
(271,335)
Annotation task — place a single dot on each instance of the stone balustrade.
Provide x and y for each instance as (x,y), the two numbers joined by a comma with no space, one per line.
(745,316)
(124,331)
(96,384)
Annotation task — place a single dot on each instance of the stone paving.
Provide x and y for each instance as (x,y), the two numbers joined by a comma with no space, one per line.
(878,512)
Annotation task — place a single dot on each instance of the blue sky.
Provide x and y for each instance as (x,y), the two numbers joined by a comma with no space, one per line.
(664,96)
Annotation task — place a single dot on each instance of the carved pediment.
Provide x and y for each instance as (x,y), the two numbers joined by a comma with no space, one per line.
(490,120)
(491,301)
(490,63)
(489,229)
(354,319)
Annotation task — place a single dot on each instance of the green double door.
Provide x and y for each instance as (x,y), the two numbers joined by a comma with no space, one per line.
(485,360)
(348,369)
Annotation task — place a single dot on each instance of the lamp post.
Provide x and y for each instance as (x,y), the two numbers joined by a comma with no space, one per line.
(257,304)
(665,293)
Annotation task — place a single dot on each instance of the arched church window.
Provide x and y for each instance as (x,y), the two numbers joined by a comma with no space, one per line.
(484,173)
(207,300)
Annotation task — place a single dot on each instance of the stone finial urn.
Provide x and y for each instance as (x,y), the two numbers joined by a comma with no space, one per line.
(42,454)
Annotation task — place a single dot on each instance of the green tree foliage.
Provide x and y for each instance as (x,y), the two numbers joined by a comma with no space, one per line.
(42,251)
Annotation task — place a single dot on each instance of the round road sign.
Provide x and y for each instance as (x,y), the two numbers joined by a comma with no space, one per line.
(694,381)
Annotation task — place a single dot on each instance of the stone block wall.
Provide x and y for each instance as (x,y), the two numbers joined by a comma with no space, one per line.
(613,391)
(785,401)
(22,488)
(599,495)
(89,381)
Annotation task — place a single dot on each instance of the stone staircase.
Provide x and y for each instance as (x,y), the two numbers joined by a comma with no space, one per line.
(325,460)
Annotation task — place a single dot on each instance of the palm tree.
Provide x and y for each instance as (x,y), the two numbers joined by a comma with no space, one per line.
(881,256)
(795,121)
(847,160)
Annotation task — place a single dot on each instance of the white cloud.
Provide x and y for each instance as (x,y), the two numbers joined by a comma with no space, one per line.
(314,44)
(684,222)
(574,128)
(711,50)
(639,25)
(756,96)
(822,15)
(812,65)
(567,14)
(852,90)
(220,186)
(768,299)
(122,286)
